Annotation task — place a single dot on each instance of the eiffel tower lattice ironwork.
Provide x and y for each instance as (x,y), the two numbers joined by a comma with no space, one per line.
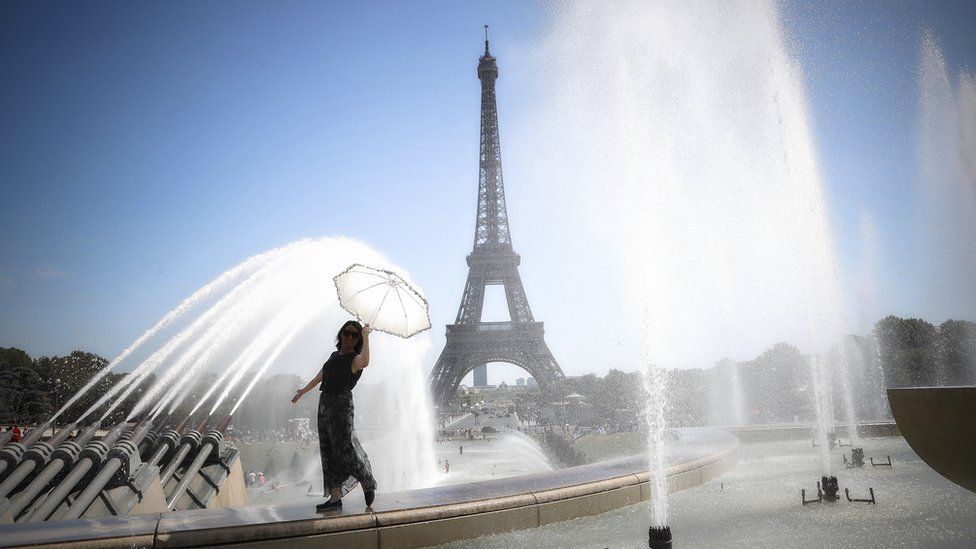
(470,342)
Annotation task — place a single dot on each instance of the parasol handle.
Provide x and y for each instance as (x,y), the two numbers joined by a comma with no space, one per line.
(376,311)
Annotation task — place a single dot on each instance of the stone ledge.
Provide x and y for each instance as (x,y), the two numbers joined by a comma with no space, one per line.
(415,518)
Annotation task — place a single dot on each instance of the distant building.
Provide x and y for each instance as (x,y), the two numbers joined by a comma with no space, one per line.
(481,376)
(530,382)
(520,382)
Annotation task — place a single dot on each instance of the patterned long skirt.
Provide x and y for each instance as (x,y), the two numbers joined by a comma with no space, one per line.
(344,462)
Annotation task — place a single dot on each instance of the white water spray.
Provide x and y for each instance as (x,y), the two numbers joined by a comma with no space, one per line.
(282,313)
(186,305)
(947,187)
(241,277)
(738,398)
(654,387)
(841,367)
(681,132)
(823,408)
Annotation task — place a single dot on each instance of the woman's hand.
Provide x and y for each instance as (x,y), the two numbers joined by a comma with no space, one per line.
(366,331)
(298,395)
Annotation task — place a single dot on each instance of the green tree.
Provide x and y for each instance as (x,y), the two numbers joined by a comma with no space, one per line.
(775,383)
(687,399)
(12,360)
(24,401)
(909,351)
(958,351)
(621,400)
(588,385)
(63,376)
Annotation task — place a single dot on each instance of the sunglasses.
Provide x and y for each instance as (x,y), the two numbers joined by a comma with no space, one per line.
(350,333)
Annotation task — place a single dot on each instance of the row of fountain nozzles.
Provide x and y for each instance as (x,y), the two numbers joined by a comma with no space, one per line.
(30,468)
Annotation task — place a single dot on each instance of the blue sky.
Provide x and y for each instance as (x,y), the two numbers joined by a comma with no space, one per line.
(147,147)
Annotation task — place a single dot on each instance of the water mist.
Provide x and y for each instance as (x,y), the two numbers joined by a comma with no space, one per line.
(681,155)
(279,310)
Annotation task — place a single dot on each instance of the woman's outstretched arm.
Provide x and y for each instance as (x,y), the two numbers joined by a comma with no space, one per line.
(311,385)
(362,359)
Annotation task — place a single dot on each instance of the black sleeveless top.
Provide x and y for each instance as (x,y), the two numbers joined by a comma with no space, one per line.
(337,376)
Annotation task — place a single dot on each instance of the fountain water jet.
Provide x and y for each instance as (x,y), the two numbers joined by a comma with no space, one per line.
(823,408)
(654,386)
(727,401)
(947,186)
(283,310)
(187,304)
(841,370)
(704,157)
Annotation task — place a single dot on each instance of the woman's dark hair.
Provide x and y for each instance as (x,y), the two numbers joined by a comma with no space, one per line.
(359,328)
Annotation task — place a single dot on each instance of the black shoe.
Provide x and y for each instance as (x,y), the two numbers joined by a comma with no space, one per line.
(370,495)
(328,506)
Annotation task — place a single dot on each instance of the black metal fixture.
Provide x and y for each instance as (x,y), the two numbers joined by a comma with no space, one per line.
(857,458)
(827,490)
(852,500)
(881,463)
(830,488)
(659,537)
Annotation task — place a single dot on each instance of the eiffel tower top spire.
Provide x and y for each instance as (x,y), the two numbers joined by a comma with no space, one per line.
(491,230)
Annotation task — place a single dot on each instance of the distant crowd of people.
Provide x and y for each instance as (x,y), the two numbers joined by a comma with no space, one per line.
(463,434)
(270,435)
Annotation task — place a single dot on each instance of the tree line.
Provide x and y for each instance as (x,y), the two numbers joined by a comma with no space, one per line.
(777,385)
(915,353)
(32,390)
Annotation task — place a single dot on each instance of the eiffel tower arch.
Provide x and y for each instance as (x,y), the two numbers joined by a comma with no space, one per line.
(470,342)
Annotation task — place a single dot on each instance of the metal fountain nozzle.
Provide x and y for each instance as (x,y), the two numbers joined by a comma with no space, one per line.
(33,460)
(857,458)
(659,537)
(36,434)
(830,488)
(189,442)
(183,425)
(205,446)
(165,444)
(62,460)
(97,451)
(85,468)
(69,450)
(122,459)
(827,490)
(13,452)
(222,426)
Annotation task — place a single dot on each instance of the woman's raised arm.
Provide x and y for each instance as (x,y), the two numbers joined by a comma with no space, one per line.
(362,359)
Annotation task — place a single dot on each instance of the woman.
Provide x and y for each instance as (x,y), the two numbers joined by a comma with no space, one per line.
(344,463)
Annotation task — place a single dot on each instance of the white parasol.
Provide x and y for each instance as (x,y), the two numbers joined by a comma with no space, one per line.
(382,299)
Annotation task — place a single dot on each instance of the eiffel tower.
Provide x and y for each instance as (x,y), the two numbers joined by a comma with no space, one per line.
(472,343)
